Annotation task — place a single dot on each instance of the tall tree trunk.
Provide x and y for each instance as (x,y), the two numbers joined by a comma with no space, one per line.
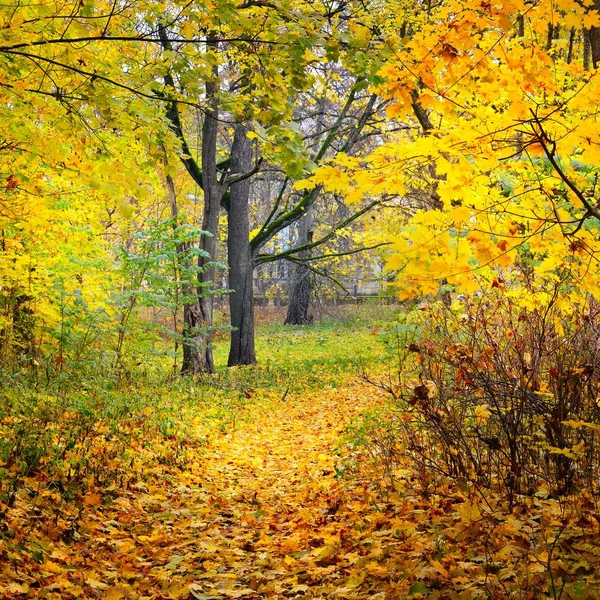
(594,39)
(241,267)
(298,312)
(213,193)
(198,316)
(181,248)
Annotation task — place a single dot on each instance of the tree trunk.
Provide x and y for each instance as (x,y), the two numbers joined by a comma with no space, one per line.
(298,312)
(193,362)
(198,317)
(210,223)
(594,43)
(241,267)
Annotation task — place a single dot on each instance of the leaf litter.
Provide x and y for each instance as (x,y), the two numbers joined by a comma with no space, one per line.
(268,510)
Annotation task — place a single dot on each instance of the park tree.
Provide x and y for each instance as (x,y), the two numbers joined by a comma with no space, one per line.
(237,77)
(337,117)
(254,85)
(87,78)
(58,150)
(508,148)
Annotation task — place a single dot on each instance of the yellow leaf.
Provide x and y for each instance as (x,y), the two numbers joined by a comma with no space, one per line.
(238,593)
(125,208)
(52,567)
(432,390)
(482,414)
(469,512)
(377,570)
(17,588)
(114,593)
(304,184)
(95,584)
(437,565)
(93,499)
(591,19)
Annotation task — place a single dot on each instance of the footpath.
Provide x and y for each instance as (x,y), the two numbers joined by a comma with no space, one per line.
(265,510)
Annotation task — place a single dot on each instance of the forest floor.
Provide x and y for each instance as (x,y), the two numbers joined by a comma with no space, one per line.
(257,513)
(278,500)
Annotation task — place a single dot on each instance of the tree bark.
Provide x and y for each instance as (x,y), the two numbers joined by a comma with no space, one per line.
(213,193)
(198,316)
(298,312)
(594,40)
(241,263)
(192,362)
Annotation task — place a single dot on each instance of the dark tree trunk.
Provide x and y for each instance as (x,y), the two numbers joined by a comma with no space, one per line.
(298,312)
(571,45)
(594,37)
(192,362)
(591,39)
(241,267)
(197,317)
(213,192)
(587,50)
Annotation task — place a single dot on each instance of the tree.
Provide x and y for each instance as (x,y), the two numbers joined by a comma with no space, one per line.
(197,350)
(239,254)
(248,64)
(515,157)
(341,128)
(70,76)
(298,311)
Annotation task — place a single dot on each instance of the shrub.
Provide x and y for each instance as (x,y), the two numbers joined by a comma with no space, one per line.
(76,434)
(501,391)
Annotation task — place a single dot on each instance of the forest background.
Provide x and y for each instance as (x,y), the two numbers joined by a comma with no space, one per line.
(157,156)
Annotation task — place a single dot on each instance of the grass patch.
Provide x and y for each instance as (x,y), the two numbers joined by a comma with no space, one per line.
(75,432)
(300,357)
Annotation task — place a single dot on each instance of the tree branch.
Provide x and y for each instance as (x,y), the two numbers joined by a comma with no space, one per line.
(140,38)
(92,75)
(234,178)
(192,167)
(325,275)
(267,258)
(309,246)
(287,218)
(544,142)
(268,231)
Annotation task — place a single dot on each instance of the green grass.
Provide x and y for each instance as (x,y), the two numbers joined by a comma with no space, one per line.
(311,355)
(76,425)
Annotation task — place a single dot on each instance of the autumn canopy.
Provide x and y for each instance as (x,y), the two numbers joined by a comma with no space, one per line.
(173,173)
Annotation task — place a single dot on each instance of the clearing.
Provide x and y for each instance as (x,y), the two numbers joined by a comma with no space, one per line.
(252,485)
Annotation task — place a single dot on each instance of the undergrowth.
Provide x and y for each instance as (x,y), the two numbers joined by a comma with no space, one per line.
(493,422)
(87,427)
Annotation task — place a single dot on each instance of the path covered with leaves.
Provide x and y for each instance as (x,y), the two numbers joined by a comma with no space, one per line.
(257,513)
(273,508)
